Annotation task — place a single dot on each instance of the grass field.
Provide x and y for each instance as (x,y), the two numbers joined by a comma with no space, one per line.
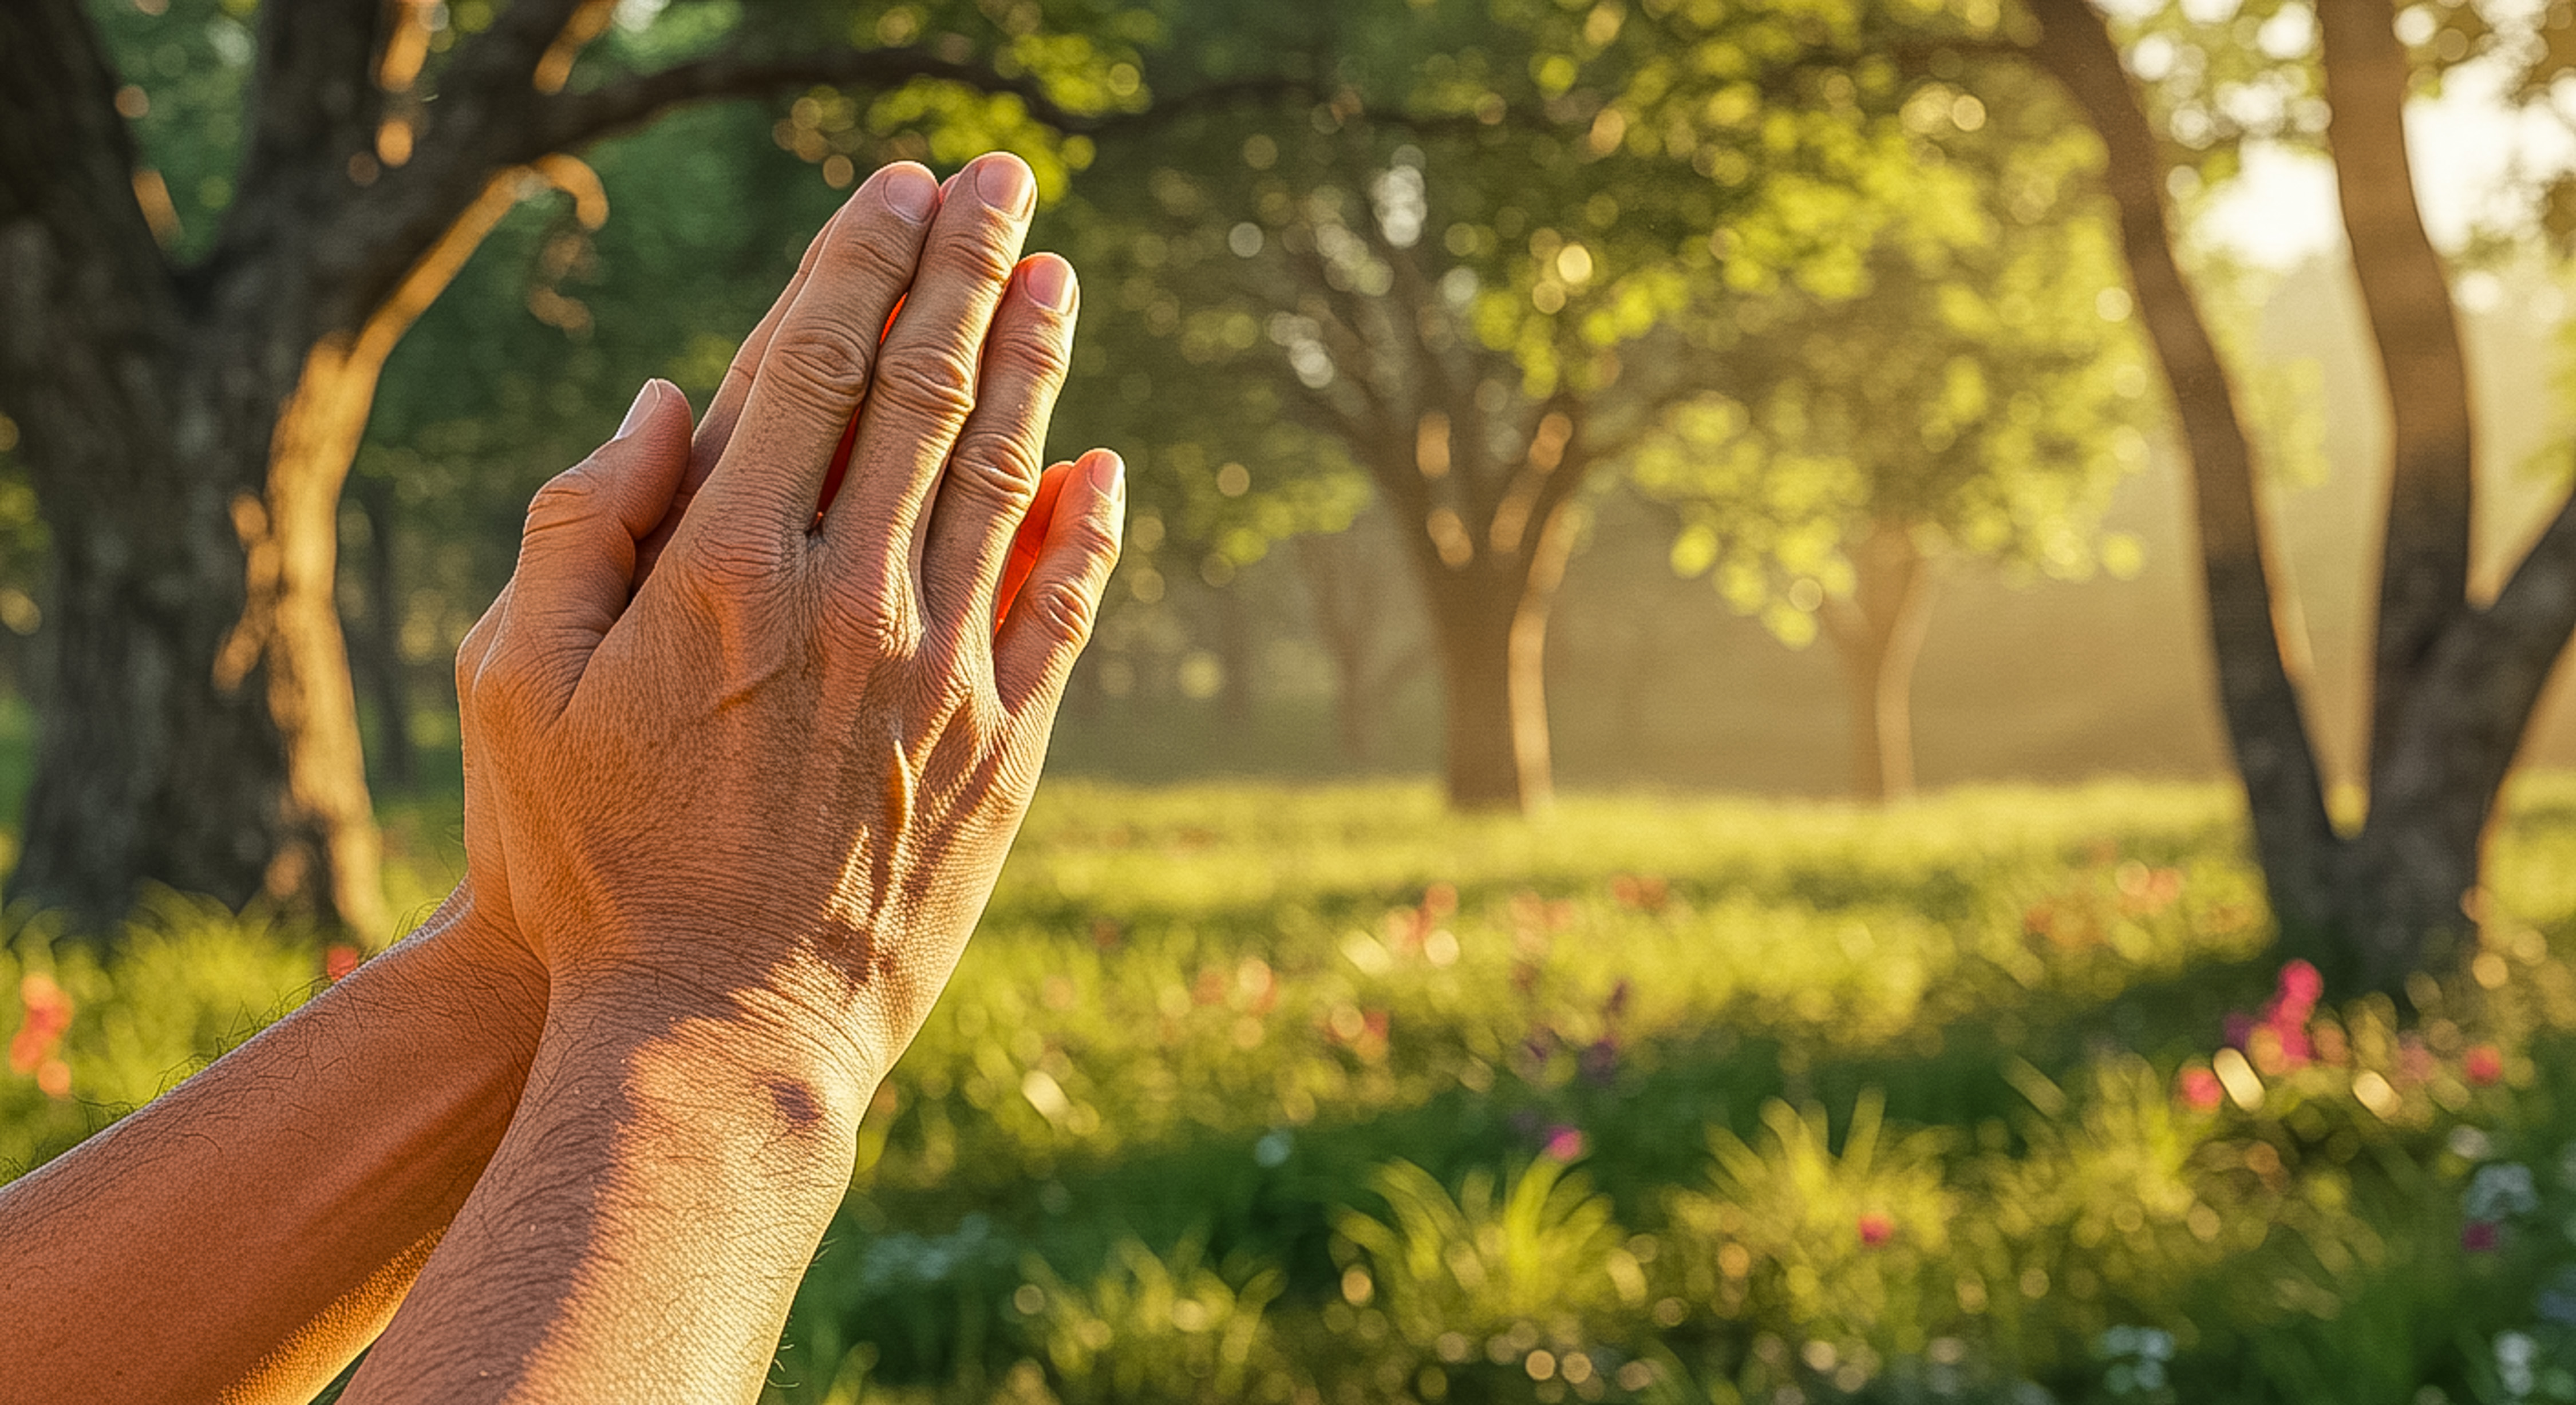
(1264,1093)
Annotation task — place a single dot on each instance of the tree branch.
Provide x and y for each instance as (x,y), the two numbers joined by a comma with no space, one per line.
(573,120)
(2424,559)
(2536,610)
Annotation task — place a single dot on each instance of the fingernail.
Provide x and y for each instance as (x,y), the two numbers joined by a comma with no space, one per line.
(636,412)
(1006,185)
(1049,281)
(910,192)
(1109,475)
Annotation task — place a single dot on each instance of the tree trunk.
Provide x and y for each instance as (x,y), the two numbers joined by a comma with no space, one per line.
(146,763)
(1879,633)
(292,617)
(1491,620)
(2259,697)
(2424,557)
(2454,684)
(2443,728)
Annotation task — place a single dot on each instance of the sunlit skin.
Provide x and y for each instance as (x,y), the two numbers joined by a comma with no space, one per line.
(739,778)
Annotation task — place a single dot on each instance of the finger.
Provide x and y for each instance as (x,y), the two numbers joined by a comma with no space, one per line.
(578,554)
(926,379)
(715,427)
(1057,606)
(817,365)
(992,475)
(1029,541)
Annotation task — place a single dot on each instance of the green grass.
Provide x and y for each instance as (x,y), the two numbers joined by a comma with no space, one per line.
(1250,1092)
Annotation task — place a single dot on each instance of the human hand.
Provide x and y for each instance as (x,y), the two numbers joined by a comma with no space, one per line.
(773,792)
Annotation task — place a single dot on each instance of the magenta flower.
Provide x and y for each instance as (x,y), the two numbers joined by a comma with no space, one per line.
(2201,1090)
(1563,1144)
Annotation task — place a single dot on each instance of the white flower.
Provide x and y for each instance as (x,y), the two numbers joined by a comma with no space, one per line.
(2499,1191)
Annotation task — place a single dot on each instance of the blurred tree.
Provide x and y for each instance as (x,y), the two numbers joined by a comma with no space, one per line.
(1979,396)
(189,402)
(1218,474)
(2454,681)
(1480,267)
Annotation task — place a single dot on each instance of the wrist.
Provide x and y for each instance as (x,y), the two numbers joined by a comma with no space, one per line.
(724,1058)
(484,956)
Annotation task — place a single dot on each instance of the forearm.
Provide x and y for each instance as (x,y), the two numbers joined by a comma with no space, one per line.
(642,1229)
(245,1235)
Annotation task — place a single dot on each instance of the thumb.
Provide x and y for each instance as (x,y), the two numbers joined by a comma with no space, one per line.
(577,555)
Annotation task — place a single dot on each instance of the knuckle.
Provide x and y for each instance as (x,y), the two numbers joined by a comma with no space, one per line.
(998,467)
(1093,538)
(822,358)
(507,684)
(938,387)
(567,498)
(720,563)
(868,621)
(1064,608)
(987,253)
(1037,353)
(854,256)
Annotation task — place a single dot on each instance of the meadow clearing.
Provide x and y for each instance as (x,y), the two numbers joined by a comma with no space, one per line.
(1270,1093)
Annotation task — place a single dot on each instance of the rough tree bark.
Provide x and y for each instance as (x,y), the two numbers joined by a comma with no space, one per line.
(2454,682)
(1879,634)
(189,428)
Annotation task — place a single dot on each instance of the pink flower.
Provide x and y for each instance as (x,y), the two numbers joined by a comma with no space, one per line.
(338,961)
(2482,1065)
(1875,1229)
(1563,1144)
(2201,1090)
(2296,1051)
(2480,1236)
(2300,986)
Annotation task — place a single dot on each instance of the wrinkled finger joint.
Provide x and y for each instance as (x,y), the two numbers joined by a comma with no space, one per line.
(937,390)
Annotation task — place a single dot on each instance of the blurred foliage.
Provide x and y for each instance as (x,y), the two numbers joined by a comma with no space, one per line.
(1252,1094)
(1980,387)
